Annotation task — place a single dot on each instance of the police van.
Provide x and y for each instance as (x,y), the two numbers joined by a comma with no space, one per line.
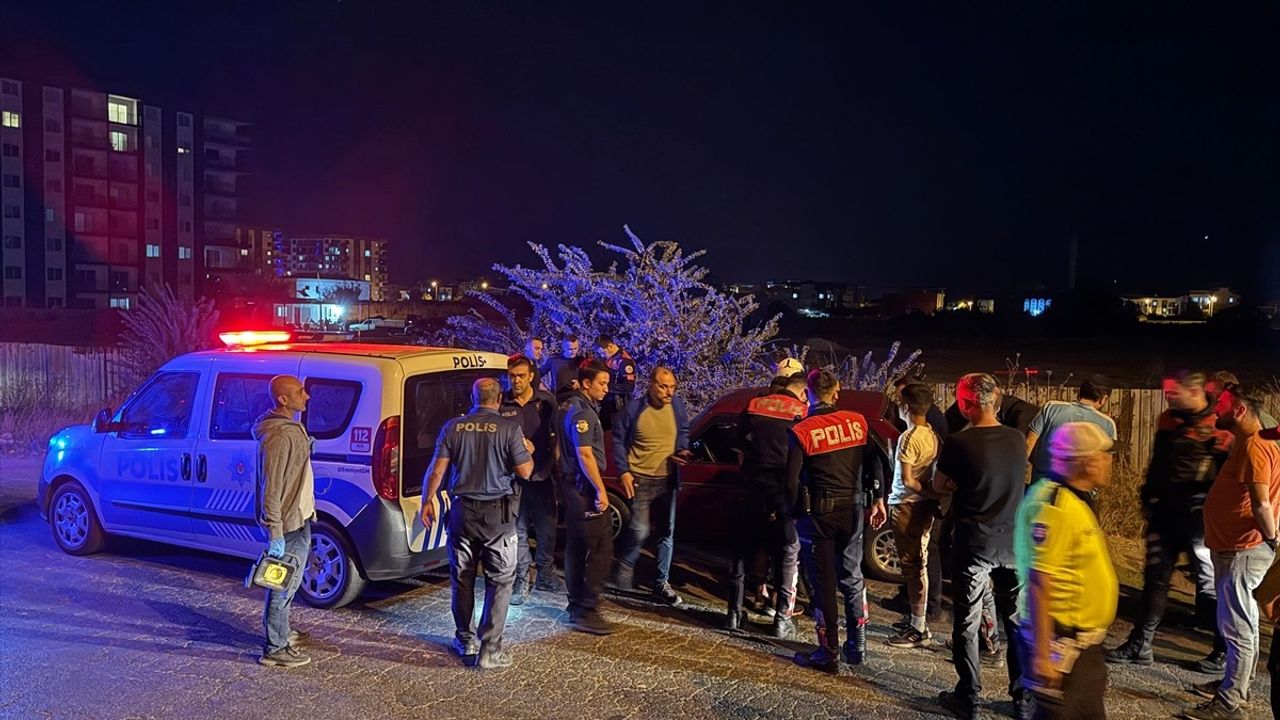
(176,463)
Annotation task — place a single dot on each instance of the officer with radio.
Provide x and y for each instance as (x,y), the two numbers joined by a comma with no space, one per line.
(622,378)
(830,478)
(478,452)
(589,547)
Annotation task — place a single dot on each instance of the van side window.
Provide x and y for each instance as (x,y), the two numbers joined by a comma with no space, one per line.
(429,402)
(238,401)
(332,404)
(162,408)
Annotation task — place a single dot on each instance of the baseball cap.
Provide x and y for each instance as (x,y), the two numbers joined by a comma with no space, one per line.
(1078,439)
(1270,433)
(789,367)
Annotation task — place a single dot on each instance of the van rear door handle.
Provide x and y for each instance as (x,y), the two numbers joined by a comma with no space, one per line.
(202,468)
(186,466)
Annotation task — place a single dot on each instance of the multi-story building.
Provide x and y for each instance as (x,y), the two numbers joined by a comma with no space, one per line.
(348,256)
(112,195)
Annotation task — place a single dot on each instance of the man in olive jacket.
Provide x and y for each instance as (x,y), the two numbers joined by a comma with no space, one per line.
(288,505)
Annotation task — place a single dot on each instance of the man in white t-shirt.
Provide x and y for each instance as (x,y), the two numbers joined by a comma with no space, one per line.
(913,507)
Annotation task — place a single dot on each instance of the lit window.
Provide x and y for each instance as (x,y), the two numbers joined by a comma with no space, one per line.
(119,141)
(184,253)
(10,119)
(368,253)
(120,303)
(153,250)
(366,277)
(243,252)
(183,150)
(122,110)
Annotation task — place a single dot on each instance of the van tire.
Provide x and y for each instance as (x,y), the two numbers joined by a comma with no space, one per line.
(331,577)
(74,522)
(619,515)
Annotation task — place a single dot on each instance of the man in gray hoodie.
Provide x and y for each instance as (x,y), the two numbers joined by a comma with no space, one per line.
(286,509)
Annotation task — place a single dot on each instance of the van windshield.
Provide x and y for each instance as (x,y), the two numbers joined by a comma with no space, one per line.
(430,400)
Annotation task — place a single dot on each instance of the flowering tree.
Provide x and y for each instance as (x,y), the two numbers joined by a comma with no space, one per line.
(163,327)
(652,301)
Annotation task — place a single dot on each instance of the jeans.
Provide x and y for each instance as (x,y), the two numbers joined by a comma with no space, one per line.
(1238,573)
(831,547)
(588,550)
(275,615)
(1083,690)
(481,535)
(1168,536)
(974,568)
(656,496)
(912,524)
(537,510)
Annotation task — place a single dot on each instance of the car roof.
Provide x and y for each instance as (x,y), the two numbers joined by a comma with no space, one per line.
(348,349)
(870,404)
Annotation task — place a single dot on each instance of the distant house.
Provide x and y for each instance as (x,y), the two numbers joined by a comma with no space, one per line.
(1158,306)
(1211,301)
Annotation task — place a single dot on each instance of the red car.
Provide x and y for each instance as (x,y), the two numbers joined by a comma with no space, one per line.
(712,482)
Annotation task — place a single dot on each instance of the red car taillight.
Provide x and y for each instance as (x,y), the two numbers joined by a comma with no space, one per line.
(386,459)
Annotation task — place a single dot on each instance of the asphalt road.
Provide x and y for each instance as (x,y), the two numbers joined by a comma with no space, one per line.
(147,631)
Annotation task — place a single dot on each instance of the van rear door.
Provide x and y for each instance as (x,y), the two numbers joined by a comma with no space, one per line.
(430,399)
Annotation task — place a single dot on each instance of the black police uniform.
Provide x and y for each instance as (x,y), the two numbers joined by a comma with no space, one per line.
(537,418)
(482,448)
(829,478)
(560,373)
(1188,452)
(589,547)
(764,520)
(622,385)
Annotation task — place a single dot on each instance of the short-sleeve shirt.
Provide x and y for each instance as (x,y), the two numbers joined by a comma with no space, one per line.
(989,467)
(1228,510)
(1058,535)
(537,420)
(482,448)
(580,427)
(917,446)
(1054,415)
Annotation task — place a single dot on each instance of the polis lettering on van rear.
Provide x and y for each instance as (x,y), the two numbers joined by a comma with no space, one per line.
(467,362)
(148,466)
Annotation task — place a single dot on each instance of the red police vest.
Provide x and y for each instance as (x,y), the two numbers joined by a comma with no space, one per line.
(778,407)
(831,432)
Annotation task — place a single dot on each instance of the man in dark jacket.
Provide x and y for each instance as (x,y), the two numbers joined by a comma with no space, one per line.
(764,522)
(287,507)
(622,378)
(829,480)
(560,373)
(650,441)
(1187,454)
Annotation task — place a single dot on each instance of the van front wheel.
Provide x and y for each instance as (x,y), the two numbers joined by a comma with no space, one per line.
(331,578)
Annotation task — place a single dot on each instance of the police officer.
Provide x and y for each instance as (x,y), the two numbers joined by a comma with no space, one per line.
(1187,454)
(560,373)
(622,378)
(765,520)
(589,547)
(829,477)
(535,410)
(1070,587)
(477,452)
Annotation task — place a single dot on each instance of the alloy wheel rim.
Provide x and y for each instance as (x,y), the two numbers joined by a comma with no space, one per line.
(71,518)
(326,568)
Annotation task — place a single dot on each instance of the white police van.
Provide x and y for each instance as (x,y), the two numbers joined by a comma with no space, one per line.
(177,464)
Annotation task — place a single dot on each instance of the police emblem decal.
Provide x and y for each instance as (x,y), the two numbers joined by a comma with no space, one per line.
(582,426)
(1039,532)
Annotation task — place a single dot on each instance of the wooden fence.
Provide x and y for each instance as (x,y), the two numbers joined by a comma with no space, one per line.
(1135,410)
(59,376)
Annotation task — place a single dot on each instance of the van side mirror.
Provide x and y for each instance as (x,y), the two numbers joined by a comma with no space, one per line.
(102,421)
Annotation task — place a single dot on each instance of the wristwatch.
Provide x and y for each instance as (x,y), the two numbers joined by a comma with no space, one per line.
(1271,543)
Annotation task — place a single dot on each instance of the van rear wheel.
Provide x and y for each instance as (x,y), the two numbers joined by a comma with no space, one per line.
(331,578)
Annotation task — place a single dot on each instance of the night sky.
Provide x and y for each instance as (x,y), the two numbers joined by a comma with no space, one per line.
(959,145)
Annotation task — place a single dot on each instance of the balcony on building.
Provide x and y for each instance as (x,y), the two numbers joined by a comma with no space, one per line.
(226,132)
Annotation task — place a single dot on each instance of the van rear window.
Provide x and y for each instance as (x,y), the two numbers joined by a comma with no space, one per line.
(332,404)
(429,401)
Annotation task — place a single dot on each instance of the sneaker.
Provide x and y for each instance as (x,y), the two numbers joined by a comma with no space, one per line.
(466,649)
(1213,710)
(956,705)
(1215,663)
(784,628)
(1130,653)
(991,658)
(1209,691)
(821,659)
(288,657)
(492,660)
(592,622)
(298,637)
(909,637)
(666,595)
(519,591)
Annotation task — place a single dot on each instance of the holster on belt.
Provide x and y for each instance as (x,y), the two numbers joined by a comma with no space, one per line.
(1065,646)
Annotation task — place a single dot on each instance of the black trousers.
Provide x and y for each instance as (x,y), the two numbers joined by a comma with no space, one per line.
(831,549)
(482,534)
(1273,669)
(588,550)
(974,568)
(1170,534)
(760,530)
(1083,690)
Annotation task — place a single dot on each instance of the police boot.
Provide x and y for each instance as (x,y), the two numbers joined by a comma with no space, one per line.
(1134,651)
(855,648)
(493,658)
(823,659)
(784,628)
(736,620)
